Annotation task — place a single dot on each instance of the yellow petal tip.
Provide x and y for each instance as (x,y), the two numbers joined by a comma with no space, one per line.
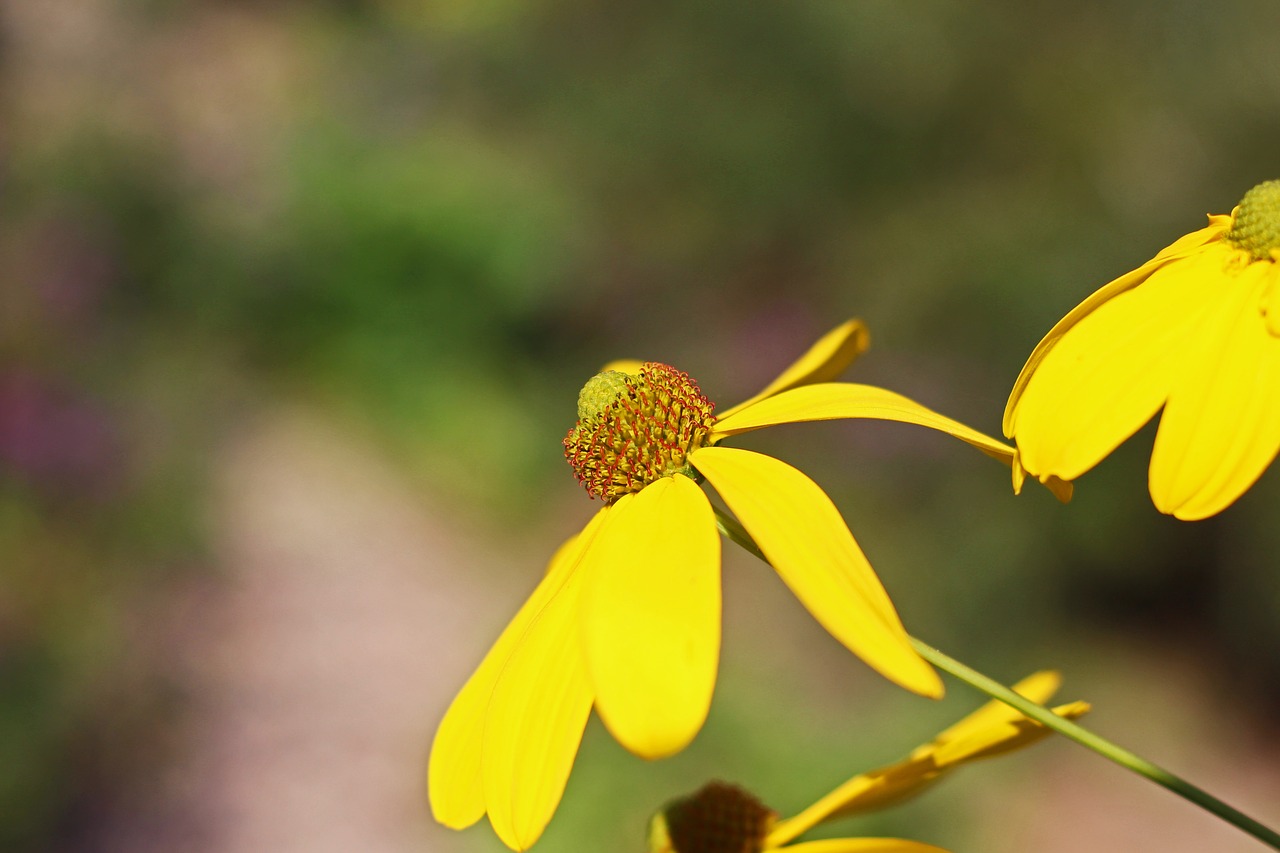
(933,688)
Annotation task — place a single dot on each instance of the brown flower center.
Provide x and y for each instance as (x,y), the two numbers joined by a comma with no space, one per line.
(635,429)
(1256,226)
(719,818)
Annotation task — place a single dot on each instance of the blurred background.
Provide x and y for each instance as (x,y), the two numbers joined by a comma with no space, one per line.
(296,299)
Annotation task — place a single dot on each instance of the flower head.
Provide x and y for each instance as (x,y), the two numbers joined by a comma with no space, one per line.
(634,429)
(1195,331)
(722,818)
(627,617)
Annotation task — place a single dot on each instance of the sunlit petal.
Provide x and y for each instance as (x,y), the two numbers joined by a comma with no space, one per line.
(864,845)
(1039,687)
(454,771)
(999,738)
(535,717)
(651,617)
(1181,248)
(1113,372)
(824,361)
(1271,296)
(837,400)
(865,792)
(624,365)
(805,539)
(992,729)
(1221,426)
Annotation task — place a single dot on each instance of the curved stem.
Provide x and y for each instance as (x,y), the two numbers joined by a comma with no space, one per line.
(732,529)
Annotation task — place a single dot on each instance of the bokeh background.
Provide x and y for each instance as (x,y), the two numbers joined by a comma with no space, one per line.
(296,298)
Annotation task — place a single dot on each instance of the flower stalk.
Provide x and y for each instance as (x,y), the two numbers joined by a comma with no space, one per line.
(1098,744)
(1113,752)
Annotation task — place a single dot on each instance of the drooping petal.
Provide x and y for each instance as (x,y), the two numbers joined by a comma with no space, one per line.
(1000,738)
(1039,687)
(993,729)
(838,400)
(863,845)
(535,722)
(1181,248)
(651,616)
(824,361)
(876,789)
(1113,370)
(538,710)
(807,542)
(1221,426)
(454,774)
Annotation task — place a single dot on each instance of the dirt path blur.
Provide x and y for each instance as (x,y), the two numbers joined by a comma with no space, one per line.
(330,650)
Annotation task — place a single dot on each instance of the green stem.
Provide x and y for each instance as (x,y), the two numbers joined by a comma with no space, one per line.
(1100,745)
(730,527)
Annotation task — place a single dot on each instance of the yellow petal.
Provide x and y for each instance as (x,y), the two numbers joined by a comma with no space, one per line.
(1000,738)
(660,835)
(835,400)
(1271,296)
(651,616)
(454,771)
(1221,426)
(996,728)
(1061,489)
(824,361)
(1113,370)
(992,729)
(805,539)
(1039,687)
(863,845)
(1181,248)
(865,792)
(534,721)
(629,366)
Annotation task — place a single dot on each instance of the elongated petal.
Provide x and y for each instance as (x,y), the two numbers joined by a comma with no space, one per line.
(801,532)
(1000,738)
(837,400)
(454,771)
(1113,371)
(824,361)
(1221,426)
(993,729)
(535,721)
(539,705)
(1181,248)
(863,845)
(1039,687)
(865,792)
(651,617)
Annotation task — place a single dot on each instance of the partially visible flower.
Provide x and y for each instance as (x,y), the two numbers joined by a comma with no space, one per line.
(721,817)
(1195,330)
(627,618)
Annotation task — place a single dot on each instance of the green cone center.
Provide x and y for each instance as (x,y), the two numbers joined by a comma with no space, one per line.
(633,429)
(1256,227)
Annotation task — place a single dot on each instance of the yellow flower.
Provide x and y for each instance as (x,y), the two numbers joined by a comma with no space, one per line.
(627,617)
(1195,330)
(725,817)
